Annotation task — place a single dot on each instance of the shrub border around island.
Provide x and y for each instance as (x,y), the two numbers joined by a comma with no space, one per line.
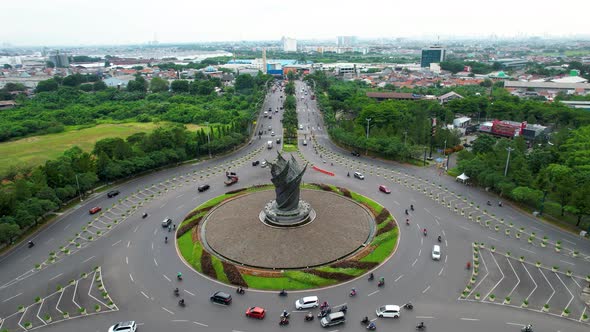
(378,251)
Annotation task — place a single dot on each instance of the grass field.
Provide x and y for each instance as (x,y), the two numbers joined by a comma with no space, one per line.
(36,150)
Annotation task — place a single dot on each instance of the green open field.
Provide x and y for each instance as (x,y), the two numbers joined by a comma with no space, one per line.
(36,150)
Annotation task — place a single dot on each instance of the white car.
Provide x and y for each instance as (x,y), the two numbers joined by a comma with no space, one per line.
(124,327)
(272,133)
(300,127)
(263,164)
(389,310)
(307,302)
(359,175)
(436,252)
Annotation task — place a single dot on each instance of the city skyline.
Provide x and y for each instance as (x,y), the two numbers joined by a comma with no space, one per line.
(70,22)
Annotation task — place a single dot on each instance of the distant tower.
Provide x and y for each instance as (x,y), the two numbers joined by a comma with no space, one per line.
(264,60)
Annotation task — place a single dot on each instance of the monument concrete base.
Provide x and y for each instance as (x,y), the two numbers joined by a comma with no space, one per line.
(273,216)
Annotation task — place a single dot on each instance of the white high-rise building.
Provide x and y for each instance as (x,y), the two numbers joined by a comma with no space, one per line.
(289,44)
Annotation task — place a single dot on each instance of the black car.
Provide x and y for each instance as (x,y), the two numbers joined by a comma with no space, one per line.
(278,141)
(221,298)
(355,153)
(203,187)
(112,193)
(260,132)
(256,163)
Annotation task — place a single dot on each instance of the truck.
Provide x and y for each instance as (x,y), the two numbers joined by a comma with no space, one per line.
(269,145)
(231,180)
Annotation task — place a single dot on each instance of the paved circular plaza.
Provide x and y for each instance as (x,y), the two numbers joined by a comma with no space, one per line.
(234,231)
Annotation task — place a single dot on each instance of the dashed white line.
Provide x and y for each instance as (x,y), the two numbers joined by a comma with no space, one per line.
(569,241)
(179,196)
(24,258)
(162,206)
(128,244)
(136,228)
(155,262)
(491,238)
(446,258)
(152,246)
(131,277)
(415,262)
(166,277)
(180,320)
(144,294)
(567,262)
(425,290)
(427,211)
(114,244)
(67,226)
(189,292)
(201,324)
(515,324)
(179,207)
(373,293)
(155,230)
(532,252)
(168,311)
(87,259)
(398,278)
(425,317)
(126,260)
(469,319)
(465,228)
(10,298)
(396,202)
(420,252)
(441,271)
(57,276)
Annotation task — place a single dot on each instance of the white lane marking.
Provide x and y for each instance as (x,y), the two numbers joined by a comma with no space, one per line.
(155,230)
(396,202)
(469,319)
(499,281)
(170,312)
(152,246)
(415,262)
(126,260)
(550,285)
(425,317)
(201,324)
(427,211)
(24,258)
(179,207)
(180,320)
(568,290)
(441,271)
(427,288)
(10,298)
(446,258)
(515,324)
(155,262)
(236,331)
(436,219)
(136,228)
(489,237)
(179,196)
(421,241)
(446,243)
(144,294)
(166,277)
(131,277)
(87,259)
(114,244)
(567,262)
(67,226)
(189,292)
(162,206)
(57,276)
(47,242)
(420,252)
(443,233)
(128,244)
(569,241)
(398,278)
(532,252)
(465,228)
(375,292)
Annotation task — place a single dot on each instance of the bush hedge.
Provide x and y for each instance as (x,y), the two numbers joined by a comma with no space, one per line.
(235,191)
(188,226)
(382,216)
(353,264)
(207,265)
(233,274)
(329,275)
(345,192)
(389,226)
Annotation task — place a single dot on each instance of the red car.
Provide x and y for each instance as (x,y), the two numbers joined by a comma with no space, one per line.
(384,189)
(256,312)
(95,209)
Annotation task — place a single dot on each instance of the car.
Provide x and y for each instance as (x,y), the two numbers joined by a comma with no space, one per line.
(384,189)
(272,133)
(221,298)
(332,319)
(270,116)
(166,222)
(307,302)
(203,187)
(255,312)
(263,165)
(278,141)
(129,326)
(390,310)
(255,162)
(113,193)
(436,252)
(304,142)
(355,153)
(269,127)
(359,175)
(300,127)
(260,132)
(95,209)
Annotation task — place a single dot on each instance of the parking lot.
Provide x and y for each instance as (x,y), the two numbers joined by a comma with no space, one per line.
(509,281)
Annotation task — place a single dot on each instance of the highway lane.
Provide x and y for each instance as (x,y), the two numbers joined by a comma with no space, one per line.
(410,274)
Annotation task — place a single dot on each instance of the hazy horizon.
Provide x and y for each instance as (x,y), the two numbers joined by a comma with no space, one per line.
(109,22)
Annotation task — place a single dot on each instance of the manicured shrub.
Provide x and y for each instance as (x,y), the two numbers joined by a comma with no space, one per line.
(233,274)
(382,216)
(330,275)
(354,265)
(187,227)
(207,265)
(235,191)
(388,226)
(345,192)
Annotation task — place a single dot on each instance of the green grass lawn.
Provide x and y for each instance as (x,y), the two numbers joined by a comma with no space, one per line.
(289,148)
(35,150)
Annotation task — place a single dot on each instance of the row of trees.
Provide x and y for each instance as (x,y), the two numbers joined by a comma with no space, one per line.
(290,121)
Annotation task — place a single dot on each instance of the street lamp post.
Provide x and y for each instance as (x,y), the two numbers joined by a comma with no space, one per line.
(405,137)
(78,184)
(208,138)
(367,145)
(509,149)
(425,148)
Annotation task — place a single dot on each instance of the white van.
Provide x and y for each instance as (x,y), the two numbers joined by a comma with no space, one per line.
(436,252)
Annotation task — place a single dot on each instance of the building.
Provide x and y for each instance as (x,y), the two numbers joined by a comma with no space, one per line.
(6,104)
(443,99)
(512,63)
(380,96)
(346,41)
(289,44)
(580,88)
(585,105)
(433,54)
(60,60)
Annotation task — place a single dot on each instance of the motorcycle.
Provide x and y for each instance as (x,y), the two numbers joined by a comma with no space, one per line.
(284,321)
(408,222)
(176,292)
(31,244)
(144,215)
(425,233)
(371,276)
(528,328)
(408,306)
(179,277)
(343,309)
(381,283)
(324,305)
(371,326)
(412,207)
(309,317)
(421,327)
(181,303)
(489,204)
(365,321)
(283,293)
(166,239)
(324,313)
(439,239)
(240,290)
(352,293)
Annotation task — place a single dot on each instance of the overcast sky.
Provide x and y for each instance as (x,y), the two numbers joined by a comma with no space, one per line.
(75,22)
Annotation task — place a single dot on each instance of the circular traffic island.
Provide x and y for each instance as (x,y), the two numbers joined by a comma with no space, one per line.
(225,239)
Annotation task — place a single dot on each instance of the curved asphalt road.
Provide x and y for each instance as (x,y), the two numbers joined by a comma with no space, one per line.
(138,268)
